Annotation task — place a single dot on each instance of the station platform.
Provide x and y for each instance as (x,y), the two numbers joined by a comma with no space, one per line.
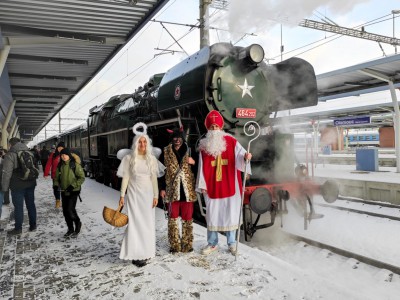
(382,185)
(44,265)
(386,157)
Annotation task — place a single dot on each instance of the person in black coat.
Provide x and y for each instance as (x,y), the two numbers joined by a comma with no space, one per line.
(44,156)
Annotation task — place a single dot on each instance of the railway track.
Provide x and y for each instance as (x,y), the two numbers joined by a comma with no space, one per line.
(383,204)
(358,211)
(345,253)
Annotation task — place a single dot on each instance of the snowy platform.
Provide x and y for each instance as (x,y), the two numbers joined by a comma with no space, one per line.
(44,265)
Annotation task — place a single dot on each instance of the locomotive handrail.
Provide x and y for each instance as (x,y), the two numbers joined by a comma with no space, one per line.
(163,122)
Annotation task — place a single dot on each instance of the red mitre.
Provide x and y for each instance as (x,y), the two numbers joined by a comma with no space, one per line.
(214,117)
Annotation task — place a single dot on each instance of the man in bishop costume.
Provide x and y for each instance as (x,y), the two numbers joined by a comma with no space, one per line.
(221,161)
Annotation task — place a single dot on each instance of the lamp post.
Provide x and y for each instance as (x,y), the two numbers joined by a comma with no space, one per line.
(395,12)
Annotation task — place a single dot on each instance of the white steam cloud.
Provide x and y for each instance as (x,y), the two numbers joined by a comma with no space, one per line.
(256,15)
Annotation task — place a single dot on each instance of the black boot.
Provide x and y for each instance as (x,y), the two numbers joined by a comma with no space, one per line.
(139,263)
(78,226)
(69,233)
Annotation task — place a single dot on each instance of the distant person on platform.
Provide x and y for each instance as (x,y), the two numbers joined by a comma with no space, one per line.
(6,195)
(221,161)
(69,179)
(51,168)
(20,189)
(44,156)
(178,191)
(1,192)
(36,154)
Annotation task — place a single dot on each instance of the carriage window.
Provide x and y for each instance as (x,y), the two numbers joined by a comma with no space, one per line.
(117,141)
(85,153)
(93,146)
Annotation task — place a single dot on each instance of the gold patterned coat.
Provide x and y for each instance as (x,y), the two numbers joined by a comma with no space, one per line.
(174,178)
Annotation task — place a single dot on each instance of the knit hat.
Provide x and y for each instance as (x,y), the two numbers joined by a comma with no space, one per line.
(214,117)
(61,144)
(14,140)
(66,151)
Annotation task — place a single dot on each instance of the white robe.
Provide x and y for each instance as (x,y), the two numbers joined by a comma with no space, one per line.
(140,235)
(223,214)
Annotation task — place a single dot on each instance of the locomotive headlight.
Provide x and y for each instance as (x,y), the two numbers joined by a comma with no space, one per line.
(256,53)
(253,54)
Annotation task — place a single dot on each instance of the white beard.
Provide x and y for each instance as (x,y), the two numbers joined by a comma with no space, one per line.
(214,143)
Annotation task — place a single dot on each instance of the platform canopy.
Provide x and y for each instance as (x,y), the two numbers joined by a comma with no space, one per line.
(53,48)
(354,81)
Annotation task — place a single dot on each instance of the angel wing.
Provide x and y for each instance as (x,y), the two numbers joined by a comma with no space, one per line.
(122,153)
(156,152)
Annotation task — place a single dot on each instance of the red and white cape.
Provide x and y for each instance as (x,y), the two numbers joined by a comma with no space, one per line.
(221,177)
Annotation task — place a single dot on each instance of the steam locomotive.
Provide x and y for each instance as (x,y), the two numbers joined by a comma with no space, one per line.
(236,82)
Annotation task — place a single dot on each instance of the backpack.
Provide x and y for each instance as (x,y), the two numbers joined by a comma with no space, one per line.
(27,165)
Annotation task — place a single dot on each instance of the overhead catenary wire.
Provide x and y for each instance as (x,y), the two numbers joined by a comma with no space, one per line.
(335,36)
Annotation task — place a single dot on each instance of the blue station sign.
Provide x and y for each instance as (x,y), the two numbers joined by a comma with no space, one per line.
(352,121)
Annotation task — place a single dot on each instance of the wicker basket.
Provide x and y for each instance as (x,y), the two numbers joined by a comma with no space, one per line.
(115,217)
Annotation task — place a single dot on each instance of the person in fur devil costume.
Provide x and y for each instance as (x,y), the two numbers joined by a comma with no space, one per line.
(177,189)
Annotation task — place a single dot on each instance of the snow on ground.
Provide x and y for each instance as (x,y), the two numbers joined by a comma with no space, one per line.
(47,266)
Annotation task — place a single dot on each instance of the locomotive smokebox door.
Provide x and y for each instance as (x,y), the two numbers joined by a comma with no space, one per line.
(240,90)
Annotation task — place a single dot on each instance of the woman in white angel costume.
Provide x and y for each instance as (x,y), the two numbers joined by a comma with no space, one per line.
(139,170)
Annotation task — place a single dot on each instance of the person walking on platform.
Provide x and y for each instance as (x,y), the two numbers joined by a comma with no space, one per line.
(69,179)
(178,191)
(221,160)
(20,189)
(6,195)
(36,154)
(44,156)
(51,168)
(1,192)
(139,171)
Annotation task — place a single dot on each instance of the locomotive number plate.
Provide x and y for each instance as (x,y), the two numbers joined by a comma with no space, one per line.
(249,113)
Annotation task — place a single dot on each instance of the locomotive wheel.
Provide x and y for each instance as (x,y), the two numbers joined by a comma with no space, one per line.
(247,223)
(100,178)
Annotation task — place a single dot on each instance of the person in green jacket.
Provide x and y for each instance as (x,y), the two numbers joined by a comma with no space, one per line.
(69,178)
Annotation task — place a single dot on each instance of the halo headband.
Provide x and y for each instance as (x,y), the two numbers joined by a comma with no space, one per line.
(137,126)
